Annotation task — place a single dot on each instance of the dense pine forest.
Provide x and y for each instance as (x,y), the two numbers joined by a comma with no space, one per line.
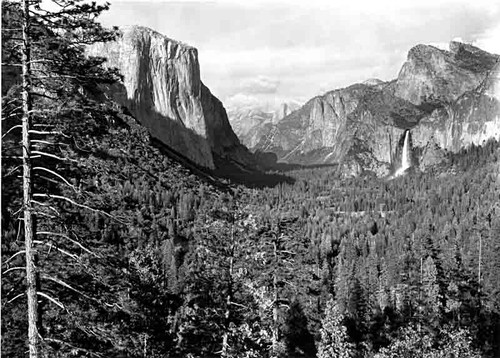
(139,255)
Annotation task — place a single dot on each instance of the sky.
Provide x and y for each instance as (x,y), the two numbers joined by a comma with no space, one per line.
(262,53)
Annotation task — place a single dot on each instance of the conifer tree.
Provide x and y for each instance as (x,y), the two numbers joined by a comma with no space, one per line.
(334,340)
(57,92)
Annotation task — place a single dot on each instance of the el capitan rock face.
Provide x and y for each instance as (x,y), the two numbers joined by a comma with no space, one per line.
(163,90)
(447,99)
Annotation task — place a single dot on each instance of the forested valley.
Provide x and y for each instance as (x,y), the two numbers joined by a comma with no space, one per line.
(139,255)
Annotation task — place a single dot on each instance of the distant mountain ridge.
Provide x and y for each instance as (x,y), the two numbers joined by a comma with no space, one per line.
(250,123)
(162,88)
(446,99)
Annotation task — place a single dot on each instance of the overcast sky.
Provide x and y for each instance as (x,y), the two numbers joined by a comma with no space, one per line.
(257,51)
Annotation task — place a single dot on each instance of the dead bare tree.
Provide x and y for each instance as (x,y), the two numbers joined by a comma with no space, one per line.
(42,44)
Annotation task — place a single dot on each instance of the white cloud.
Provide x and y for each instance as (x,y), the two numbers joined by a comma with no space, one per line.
(260,84)
(241,100)
(489,40)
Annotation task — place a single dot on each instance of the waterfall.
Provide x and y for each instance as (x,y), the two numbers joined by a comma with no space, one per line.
(405,155)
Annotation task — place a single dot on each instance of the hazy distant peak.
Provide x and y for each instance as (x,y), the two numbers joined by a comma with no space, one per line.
(373,82)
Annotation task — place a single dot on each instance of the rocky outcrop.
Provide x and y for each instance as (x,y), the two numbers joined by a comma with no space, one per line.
(471,119)
(447,99)
(162,88)
(432,74)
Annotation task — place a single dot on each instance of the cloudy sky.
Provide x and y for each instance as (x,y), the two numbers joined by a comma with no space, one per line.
(267,52)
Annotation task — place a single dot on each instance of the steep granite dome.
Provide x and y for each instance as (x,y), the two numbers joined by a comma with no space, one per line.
(163,90)
(447,99)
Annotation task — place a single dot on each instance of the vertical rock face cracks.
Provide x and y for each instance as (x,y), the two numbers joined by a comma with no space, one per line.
(163,89)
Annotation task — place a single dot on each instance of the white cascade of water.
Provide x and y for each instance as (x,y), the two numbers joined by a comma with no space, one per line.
(405,155)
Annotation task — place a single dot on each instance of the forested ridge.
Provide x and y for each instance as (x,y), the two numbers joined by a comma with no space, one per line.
(139,256)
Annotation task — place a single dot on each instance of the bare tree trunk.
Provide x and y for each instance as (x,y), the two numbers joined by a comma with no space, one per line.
(275,333)
(29,230)
(229,298)
(479,265)
(275,329)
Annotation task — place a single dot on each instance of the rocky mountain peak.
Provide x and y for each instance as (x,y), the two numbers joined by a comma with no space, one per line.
(431,74)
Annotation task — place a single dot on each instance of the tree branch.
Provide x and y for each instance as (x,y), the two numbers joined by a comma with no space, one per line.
(47,206)
(15,297)
(12,257)
(48,143)
(47,133)
(57,175)
(13,114)
(53,300)
(238,305)
(64,284)
(79,205)
(73,256)
(69,239)
(53,156)
(11,129)
(14,269)
(12,171)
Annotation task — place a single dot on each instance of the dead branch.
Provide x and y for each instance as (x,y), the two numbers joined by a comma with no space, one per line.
(48,143)
(11,129)
(73,256)
(57,175)
(47,206)
(12,257)
(53,300)
(48,133)
(17,268)
(79,205)
(15,297)
(64,284)
(49,233)
(45,154)
(12,171)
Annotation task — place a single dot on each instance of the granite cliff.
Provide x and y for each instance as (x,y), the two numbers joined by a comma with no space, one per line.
(162,88)
(447,100)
